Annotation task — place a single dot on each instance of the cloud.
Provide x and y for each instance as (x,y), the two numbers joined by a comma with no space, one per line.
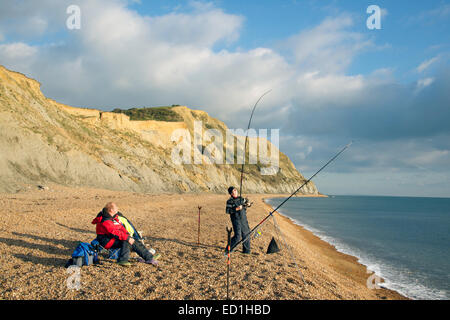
(433,16)
(29,19)
(422,83)
(443,11)
(430,158)
(17,50)
(18,54)
(329,47)
(373,108)
(424,65)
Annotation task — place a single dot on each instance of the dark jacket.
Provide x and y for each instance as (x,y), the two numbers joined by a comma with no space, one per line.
(233,203)
(109,229)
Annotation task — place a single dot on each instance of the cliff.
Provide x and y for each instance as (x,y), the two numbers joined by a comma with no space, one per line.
(43,141)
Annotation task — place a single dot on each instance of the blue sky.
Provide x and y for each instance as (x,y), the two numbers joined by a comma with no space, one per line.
(333,80)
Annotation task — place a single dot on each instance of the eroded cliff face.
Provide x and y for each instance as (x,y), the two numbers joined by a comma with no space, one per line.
(43,141)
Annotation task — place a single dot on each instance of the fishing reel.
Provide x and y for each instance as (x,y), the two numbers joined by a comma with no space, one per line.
(246,203)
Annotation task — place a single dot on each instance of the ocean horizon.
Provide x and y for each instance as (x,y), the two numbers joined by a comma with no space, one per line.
(404,240)
(381,195)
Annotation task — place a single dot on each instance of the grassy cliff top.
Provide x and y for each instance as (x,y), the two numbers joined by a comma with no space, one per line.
(152,113)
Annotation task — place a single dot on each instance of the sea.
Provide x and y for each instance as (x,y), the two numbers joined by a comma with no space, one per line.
(404,240)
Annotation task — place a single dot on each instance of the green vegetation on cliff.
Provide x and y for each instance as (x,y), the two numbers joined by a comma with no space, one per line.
(152,113)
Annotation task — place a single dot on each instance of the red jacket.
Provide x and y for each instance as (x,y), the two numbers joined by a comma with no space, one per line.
(109,229)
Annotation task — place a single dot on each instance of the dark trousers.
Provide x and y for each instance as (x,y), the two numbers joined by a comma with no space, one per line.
(241,230)
(126,247)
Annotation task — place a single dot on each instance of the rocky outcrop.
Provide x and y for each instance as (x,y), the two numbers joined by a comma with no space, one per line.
(43,141)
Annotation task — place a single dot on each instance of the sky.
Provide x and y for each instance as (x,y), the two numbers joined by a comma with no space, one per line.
(333,79)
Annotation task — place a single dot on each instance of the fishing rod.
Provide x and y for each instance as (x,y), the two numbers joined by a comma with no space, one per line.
(229,230)
(246,140)
(305,183)
(198,233)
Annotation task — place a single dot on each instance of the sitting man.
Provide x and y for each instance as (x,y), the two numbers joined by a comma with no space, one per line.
(112,234)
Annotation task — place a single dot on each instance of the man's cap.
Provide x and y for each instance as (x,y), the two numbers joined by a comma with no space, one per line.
(230,189)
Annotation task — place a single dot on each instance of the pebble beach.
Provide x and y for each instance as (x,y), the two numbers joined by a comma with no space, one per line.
(40,228)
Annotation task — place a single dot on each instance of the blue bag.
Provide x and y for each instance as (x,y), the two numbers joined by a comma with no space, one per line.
(84,254)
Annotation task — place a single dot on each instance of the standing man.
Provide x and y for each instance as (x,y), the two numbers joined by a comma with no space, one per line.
(236,208)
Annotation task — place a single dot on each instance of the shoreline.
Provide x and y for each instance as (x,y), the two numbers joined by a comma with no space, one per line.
(329,249)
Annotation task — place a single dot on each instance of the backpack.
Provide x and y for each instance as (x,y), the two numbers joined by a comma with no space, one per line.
(83,255)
